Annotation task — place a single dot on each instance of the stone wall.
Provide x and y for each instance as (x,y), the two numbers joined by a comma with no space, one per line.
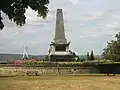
(48,70)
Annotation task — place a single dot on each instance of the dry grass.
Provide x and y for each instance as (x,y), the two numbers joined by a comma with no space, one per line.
(60,83)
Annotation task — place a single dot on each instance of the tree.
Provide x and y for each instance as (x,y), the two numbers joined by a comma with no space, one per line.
(46,58)
(92,56)
(15,9)
(111,52)
(88,56)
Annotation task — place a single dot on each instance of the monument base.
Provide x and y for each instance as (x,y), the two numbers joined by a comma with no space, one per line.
(61,58)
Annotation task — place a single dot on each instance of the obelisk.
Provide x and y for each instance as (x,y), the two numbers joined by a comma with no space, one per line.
(59,47)
(59,30)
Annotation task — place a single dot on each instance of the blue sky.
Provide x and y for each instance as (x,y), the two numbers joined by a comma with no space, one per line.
(89,24)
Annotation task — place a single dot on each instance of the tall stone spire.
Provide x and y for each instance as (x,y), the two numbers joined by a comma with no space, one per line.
(59,48)
(59,30)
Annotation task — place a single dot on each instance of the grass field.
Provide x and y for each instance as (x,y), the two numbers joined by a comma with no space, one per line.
(83,82)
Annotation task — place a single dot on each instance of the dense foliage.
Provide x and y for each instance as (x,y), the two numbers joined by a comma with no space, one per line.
(92,56)
(65,64)
(112,50)
(15,9)
(88,57)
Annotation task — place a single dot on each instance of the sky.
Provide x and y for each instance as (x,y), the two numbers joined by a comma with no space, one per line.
(89,24)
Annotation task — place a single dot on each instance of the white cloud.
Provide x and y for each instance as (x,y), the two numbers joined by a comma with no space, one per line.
(93,16)
(83,22)
(74,2)
(113,24)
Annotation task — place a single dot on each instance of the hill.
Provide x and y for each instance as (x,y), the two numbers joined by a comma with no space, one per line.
(5,56)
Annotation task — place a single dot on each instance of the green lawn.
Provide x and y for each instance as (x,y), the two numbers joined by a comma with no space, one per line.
(82,82)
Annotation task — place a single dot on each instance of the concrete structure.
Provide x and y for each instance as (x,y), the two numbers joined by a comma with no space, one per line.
(59,47)
(25,54)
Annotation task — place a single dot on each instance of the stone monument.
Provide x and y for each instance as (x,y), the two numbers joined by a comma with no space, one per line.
(59,47)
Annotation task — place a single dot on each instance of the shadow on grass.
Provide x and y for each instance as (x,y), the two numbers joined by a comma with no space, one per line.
(5,76)
(41,76)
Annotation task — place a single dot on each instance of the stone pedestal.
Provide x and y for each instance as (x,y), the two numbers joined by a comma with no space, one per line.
(61,58)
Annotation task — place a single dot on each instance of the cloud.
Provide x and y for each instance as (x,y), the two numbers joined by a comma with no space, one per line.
(74,2)
(87,36)
(88,25)
(93,16)
(113,24)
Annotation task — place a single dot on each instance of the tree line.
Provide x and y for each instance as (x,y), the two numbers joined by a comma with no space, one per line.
(110,52)
(91,56)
